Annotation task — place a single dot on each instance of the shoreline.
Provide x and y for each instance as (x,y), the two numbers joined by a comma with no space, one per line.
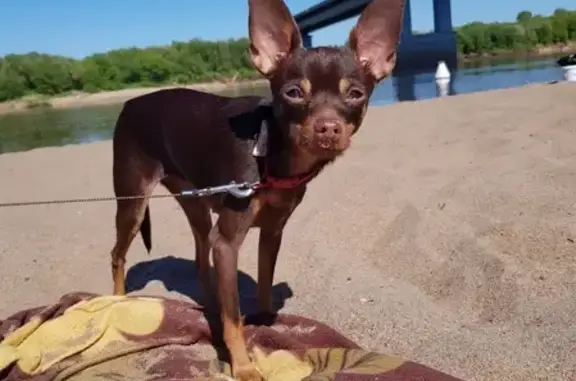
(103,98)
(541,52)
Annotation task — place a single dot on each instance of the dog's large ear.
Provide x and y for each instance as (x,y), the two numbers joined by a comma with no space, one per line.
(375,37)
(274,34)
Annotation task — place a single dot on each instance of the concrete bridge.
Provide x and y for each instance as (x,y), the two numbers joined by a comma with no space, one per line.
(416,52)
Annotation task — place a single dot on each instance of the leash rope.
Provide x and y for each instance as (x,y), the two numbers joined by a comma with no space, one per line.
(240,190)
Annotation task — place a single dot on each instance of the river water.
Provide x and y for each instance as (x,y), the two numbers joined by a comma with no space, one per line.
(42,128)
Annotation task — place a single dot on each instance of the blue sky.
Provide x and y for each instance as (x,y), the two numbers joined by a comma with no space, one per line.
(78,28)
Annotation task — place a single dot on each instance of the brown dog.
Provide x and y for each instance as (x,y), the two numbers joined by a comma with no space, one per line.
(186,139)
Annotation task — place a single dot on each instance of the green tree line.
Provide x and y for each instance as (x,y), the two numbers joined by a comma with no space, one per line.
(527,34)
(202,61)
(179,63)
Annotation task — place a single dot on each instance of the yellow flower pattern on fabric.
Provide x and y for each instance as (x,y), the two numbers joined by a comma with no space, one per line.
(88,327)
(281,365)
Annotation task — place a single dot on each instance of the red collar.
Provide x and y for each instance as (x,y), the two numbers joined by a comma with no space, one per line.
(291,182)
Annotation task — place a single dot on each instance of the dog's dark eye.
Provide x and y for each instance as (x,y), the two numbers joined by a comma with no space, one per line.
(354,94)
(294,93)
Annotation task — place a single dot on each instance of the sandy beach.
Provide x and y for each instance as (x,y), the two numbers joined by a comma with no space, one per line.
(445,236)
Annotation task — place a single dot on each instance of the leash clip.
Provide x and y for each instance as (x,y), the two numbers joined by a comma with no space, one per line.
(241,190)
(238,190)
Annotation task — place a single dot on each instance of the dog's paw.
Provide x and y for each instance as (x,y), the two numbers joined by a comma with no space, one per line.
(247,373)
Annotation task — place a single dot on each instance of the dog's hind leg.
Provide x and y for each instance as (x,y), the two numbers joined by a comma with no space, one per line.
(198,215)
(134,174)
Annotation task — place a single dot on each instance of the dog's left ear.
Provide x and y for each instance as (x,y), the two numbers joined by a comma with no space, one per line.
(375,37)
(274,34)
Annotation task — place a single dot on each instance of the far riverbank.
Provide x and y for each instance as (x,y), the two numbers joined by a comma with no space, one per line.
(82,99)
(540,52)
(102,98)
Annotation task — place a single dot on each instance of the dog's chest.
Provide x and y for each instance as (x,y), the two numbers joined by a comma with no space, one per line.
(273,207)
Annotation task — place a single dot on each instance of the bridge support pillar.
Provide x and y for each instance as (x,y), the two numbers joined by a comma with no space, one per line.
(421,52)
(307,41)
(406,23)
(442,16)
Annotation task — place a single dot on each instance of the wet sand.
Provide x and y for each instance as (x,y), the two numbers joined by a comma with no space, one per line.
(446,235)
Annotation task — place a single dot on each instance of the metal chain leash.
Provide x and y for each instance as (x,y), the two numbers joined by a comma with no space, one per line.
(238,190)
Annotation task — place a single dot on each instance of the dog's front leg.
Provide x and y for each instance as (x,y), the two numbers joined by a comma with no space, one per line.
(273,221)
(226,238)
(268,248)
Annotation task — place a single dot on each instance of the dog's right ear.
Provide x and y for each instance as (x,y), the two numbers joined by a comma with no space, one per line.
(274,34)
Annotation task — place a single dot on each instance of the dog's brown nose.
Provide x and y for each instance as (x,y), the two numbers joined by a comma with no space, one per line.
(327,127)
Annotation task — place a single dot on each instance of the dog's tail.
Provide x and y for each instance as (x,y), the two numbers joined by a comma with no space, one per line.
(146,230)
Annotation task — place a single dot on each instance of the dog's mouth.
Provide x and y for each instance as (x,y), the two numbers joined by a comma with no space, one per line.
(325,147)
(329,145)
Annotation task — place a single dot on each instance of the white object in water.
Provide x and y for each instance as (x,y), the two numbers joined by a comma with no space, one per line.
(570,73)
(442,71)
(442,77)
